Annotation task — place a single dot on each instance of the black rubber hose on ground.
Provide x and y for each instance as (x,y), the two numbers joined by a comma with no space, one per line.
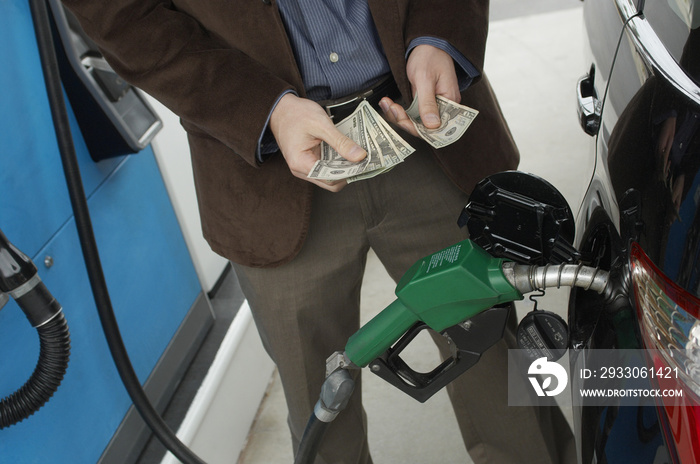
(54,340)
(49,64)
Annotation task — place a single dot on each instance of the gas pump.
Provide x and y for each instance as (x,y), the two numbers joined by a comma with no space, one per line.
(160,301)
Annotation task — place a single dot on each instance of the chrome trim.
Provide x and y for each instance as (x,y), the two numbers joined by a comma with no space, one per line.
(654,54)
(589,107)
(151,132)
(627,9)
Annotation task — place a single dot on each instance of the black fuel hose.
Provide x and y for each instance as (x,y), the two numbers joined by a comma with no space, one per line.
(54,340)
(49,64)
(19,278)
(311,440)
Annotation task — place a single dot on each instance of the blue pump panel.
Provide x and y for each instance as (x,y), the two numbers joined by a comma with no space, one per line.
(148,269)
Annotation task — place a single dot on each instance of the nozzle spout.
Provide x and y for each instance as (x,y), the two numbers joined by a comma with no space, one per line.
(527,278)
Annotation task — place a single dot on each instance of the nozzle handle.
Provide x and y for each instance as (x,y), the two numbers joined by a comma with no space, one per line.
(377,336)
(16,269)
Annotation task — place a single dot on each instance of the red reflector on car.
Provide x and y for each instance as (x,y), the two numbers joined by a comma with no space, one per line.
(669,319)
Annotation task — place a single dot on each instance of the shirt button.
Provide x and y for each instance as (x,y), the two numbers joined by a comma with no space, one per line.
(334,57)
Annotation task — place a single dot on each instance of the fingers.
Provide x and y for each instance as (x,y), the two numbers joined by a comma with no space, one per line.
(301,164)
(300,126)
(330,185)
(431,72)
(395,114)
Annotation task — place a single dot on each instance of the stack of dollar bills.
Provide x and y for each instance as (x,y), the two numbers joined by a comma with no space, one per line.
(385,148)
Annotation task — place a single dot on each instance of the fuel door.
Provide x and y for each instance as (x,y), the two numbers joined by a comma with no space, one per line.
(521,217)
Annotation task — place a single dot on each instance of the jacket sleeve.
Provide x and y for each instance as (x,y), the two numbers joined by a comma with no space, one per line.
(462,23)
(215,89)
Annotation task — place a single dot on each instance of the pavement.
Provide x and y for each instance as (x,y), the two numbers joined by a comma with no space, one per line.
(534,57)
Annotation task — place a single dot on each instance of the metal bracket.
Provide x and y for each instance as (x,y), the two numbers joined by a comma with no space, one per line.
(337,361)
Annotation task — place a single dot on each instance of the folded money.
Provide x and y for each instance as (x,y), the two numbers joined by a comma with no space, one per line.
(455,120)
(385,148)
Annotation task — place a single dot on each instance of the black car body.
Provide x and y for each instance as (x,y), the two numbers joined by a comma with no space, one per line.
(640,219)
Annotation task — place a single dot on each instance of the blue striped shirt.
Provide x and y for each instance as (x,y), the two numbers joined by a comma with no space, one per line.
(337,49)
(335,44)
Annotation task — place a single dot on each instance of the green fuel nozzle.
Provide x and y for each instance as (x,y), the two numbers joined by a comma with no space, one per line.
(462,292)
(456,284)
(442,290)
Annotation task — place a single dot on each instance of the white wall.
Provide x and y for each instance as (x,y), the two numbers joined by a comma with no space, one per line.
(226,404)
(173,157)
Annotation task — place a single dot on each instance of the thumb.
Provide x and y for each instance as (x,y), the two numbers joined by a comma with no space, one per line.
(428,109)
(346,147)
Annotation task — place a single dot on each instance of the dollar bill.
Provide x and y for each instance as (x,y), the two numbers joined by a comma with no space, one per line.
(332,166)
(455,120)
(376,122)
(392,148)
(384,147)
(369,173)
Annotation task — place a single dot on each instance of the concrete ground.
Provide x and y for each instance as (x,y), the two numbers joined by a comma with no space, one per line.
(534,58)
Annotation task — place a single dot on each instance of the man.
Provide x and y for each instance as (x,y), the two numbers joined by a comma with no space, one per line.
(248,77)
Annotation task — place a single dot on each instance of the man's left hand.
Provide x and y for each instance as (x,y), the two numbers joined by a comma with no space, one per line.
(431,72)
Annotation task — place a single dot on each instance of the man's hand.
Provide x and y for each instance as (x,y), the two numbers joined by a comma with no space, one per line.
(299,126)
(431,72)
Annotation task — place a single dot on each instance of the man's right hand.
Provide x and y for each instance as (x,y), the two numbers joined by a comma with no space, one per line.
(299,126)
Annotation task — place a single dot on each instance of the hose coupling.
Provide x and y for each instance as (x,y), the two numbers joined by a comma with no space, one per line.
(335,394)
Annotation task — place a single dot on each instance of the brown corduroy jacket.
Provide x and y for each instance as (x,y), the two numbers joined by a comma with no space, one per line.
(221,64)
